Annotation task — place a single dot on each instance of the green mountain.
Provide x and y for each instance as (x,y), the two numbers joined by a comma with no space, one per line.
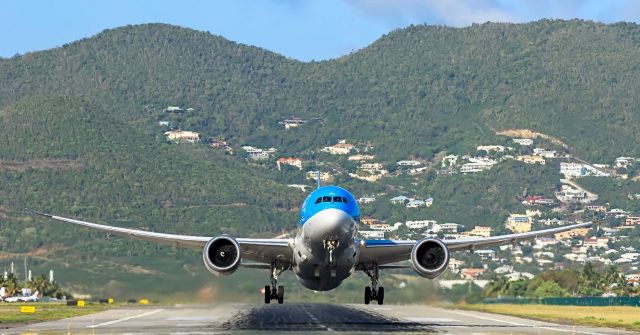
(79,135)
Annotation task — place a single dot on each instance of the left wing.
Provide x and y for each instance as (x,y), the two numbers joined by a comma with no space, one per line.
(391,251)
(262,250)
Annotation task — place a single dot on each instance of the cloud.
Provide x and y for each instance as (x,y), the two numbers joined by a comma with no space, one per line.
(465,12)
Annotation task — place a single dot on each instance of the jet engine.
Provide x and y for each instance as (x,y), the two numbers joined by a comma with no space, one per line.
(429,257)
(221,255)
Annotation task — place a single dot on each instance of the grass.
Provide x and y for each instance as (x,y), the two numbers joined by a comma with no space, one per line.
(10,314)
(602,316)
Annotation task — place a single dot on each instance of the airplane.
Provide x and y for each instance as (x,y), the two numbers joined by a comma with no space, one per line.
(31,298)
(326,249)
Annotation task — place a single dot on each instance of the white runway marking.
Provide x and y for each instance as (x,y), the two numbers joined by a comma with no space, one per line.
(125,319)
(429,320)
(573,331)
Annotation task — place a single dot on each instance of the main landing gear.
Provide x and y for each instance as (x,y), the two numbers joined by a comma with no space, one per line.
(373,292)
(274,292)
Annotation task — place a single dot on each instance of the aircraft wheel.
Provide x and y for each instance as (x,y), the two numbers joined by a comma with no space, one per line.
(267,294)
(280,294)
(380,295)
(367,295)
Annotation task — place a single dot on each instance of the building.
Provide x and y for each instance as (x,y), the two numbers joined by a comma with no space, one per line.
(596,208)
(420,224)
(486,254)
(340,148)
(174,109)
(164,123)
(572,233)
(545,153)
(359,157)
(450,227)
(573,170)
(477,165)
(598,242)
(572,195)
(408,163)
(296,162)
(324,176)
(489,148)
(182,136)
(292,123)
(523,141)
(481,231)
(366,200)
(632,220)
(449,161)
(471,273)
(519,223)
(415,203)
(401,199)
(536,200)
(372,234)
(623,162)
(531,159)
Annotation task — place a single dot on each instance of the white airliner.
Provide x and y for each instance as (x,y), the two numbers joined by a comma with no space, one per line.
(31,298)
(326,249)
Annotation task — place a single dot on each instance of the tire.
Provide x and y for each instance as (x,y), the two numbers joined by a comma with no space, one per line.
(380,295)
(280,294)
(267,294)
(367,295)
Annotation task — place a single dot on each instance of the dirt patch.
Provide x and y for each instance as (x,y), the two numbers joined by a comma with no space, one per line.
(526,133)
(47,163)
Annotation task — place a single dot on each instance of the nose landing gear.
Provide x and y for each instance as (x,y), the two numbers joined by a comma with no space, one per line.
(373,292)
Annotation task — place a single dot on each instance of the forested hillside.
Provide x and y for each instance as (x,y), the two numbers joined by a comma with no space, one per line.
(78,136)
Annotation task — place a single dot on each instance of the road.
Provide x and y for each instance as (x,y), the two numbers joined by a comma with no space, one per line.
(299,318)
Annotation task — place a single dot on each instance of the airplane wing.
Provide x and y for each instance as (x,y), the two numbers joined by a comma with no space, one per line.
(391,251)
(262,250)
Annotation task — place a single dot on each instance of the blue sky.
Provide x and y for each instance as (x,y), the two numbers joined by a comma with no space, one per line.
(300,29)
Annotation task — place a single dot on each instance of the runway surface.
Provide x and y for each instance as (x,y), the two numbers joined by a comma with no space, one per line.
(299,318)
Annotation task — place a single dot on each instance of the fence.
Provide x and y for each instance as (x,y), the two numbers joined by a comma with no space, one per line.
(582,301)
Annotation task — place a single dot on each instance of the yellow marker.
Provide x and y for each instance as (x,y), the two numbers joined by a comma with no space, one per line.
(144,301)
(110,301)
(28,309)
(81,303)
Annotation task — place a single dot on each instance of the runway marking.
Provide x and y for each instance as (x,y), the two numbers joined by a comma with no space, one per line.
(192,318)
(427,319)
(125,319)
(573,331)
(315,320)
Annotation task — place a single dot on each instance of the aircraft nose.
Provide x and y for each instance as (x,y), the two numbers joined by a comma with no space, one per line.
(331,223)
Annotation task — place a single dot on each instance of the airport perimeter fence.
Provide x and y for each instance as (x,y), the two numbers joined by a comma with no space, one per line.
(581,301)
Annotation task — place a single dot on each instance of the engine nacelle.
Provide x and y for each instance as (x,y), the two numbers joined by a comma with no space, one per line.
(429,257)
(221,255)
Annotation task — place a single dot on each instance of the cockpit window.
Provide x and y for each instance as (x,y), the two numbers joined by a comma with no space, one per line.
(319,200)
(344,200)
(326,199)
(337,199)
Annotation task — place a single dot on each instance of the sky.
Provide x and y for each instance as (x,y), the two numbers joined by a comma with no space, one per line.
(301,29)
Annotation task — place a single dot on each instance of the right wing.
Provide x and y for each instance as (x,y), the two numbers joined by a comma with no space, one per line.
(391,251)
(261,250)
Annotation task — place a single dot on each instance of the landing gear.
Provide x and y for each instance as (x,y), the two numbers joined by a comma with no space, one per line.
(373,293)
(274,292)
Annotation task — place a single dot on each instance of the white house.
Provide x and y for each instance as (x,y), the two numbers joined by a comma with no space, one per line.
(523,141)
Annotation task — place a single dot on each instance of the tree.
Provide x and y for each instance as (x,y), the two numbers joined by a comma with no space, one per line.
(550,289)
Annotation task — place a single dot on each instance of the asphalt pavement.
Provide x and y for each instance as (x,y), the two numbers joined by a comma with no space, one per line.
(299,318)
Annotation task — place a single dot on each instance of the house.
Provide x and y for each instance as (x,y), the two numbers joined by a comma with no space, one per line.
(531,159)
(180,136)
(545,153)
(449,161)
(324,176)
(542,242)
(219,144)
(372,234)
(537,200)
(503,269)
(477,165)
(471,273)
(164,123)
(295,162)
(486,254)
(572,233)
(174,109)
(359,157)
(420,224)
(596,208)
(489,148)
(633,279)
(368,221)
(597,242)
(340,148)
(450,227)
(569,194)
(408,163)
(401,199)
(623,162)
(381,226)
(415,203)
(366,200)
(523,141)
(519,223)
(481,231)
(455,264)
(428,202)
(259,156)
(632,220)
(292,123)
(572,170)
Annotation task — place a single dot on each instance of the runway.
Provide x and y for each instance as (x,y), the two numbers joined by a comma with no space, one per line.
(299,318)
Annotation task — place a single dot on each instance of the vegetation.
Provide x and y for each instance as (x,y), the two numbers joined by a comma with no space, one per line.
(608,316)
(10,313)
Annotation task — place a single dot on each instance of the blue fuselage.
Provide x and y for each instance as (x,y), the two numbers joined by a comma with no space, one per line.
(325,248)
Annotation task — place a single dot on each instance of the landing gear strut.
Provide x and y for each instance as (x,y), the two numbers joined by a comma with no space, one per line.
(274,292)
(373,293)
